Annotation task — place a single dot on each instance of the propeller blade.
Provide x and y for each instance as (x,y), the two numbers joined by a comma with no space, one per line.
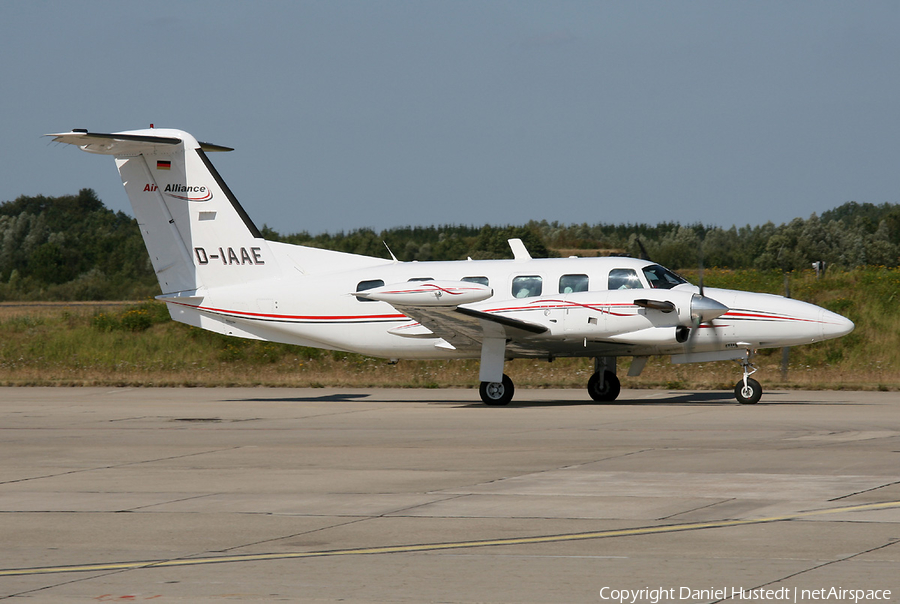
(701,271)
(703,310)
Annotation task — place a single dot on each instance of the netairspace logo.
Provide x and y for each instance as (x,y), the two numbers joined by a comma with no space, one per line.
(783,594)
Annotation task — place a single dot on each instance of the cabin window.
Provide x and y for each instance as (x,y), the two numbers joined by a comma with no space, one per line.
(624,278)
(661,278)
(482,280)
(573,283)
(364,285)
(420,279)
(527,286)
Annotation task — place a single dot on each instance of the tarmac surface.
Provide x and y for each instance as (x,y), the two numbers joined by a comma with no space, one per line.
(322,495)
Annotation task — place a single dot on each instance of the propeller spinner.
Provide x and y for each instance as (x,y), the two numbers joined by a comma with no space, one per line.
(704,310)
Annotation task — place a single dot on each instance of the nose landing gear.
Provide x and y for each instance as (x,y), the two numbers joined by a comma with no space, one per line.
(748,391)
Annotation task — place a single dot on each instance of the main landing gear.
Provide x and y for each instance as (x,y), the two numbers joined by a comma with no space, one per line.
(497,394)
(604,386)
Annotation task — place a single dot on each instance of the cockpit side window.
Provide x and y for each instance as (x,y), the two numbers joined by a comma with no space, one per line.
(624,278)
(661,278)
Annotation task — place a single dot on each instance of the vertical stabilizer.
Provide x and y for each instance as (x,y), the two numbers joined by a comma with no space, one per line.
(196,232)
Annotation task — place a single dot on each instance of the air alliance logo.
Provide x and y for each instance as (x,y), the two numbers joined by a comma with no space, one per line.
(183,192)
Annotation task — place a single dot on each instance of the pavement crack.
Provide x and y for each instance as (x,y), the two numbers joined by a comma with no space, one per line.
(887,484)
(292,536)
(566,467)
(702,507)
(117,465)
(152,505)
(817,566)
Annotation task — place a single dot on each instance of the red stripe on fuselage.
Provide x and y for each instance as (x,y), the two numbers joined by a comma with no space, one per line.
(766,317)
(323,318)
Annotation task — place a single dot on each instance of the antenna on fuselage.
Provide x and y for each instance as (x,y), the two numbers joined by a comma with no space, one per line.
(390,252)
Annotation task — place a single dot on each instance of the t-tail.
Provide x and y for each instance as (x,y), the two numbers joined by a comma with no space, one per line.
(197,234)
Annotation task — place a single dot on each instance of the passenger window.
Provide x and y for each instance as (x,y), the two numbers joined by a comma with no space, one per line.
(482,280)
(419,279)
(364,285)
(573,283)
(624,278)
(527,287)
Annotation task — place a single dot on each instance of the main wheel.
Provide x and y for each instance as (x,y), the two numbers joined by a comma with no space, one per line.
(497,394)
(610,390)
(749,394)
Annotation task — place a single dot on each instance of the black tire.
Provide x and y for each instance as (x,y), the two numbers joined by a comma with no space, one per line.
(751,395)
(497,394)
(610,390)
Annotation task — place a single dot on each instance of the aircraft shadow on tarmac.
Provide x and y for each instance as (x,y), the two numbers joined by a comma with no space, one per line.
(695,399)
(343,397)
(711,398)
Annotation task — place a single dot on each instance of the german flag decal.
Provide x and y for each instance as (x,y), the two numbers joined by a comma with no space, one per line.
(163,164)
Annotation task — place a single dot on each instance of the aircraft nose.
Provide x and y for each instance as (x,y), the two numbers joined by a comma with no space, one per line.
(834,325)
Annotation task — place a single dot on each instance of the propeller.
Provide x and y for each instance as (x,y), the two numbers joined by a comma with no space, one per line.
(703,309)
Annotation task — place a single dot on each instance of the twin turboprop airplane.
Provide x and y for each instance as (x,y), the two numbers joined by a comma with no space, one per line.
(217,272)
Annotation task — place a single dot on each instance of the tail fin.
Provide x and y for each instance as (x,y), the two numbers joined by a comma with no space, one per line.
(196,232)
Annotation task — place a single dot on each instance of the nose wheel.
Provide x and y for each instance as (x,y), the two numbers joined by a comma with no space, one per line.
(748,391)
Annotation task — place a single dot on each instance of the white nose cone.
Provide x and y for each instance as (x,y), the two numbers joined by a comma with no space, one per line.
(834,325)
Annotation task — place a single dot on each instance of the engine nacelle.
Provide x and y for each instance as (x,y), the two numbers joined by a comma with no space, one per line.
(638,316)
(653,336)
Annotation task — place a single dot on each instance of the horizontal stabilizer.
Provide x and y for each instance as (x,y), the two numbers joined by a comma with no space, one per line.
(191,298)
(123,143)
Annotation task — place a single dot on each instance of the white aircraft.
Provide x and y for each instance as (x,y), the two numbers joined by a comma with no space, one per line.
(218,273)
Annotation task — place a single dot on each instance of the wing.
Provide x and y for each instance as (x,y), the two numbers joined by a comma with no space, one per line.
(465,328)
(437,308)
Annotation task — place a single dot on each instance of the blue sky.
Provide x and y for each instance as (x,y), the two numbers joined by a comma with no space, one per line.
(378,114)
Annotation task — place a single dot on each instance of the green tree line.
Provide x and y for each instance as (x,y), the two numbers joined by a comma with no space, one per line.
(74,248)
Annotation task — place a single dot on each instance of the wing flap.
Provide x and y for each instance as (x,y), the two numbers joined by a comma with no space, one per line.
(517,324)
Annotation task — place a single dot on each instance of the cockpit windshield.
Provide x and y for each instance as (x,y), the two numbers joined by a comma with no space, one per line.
(661,278)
